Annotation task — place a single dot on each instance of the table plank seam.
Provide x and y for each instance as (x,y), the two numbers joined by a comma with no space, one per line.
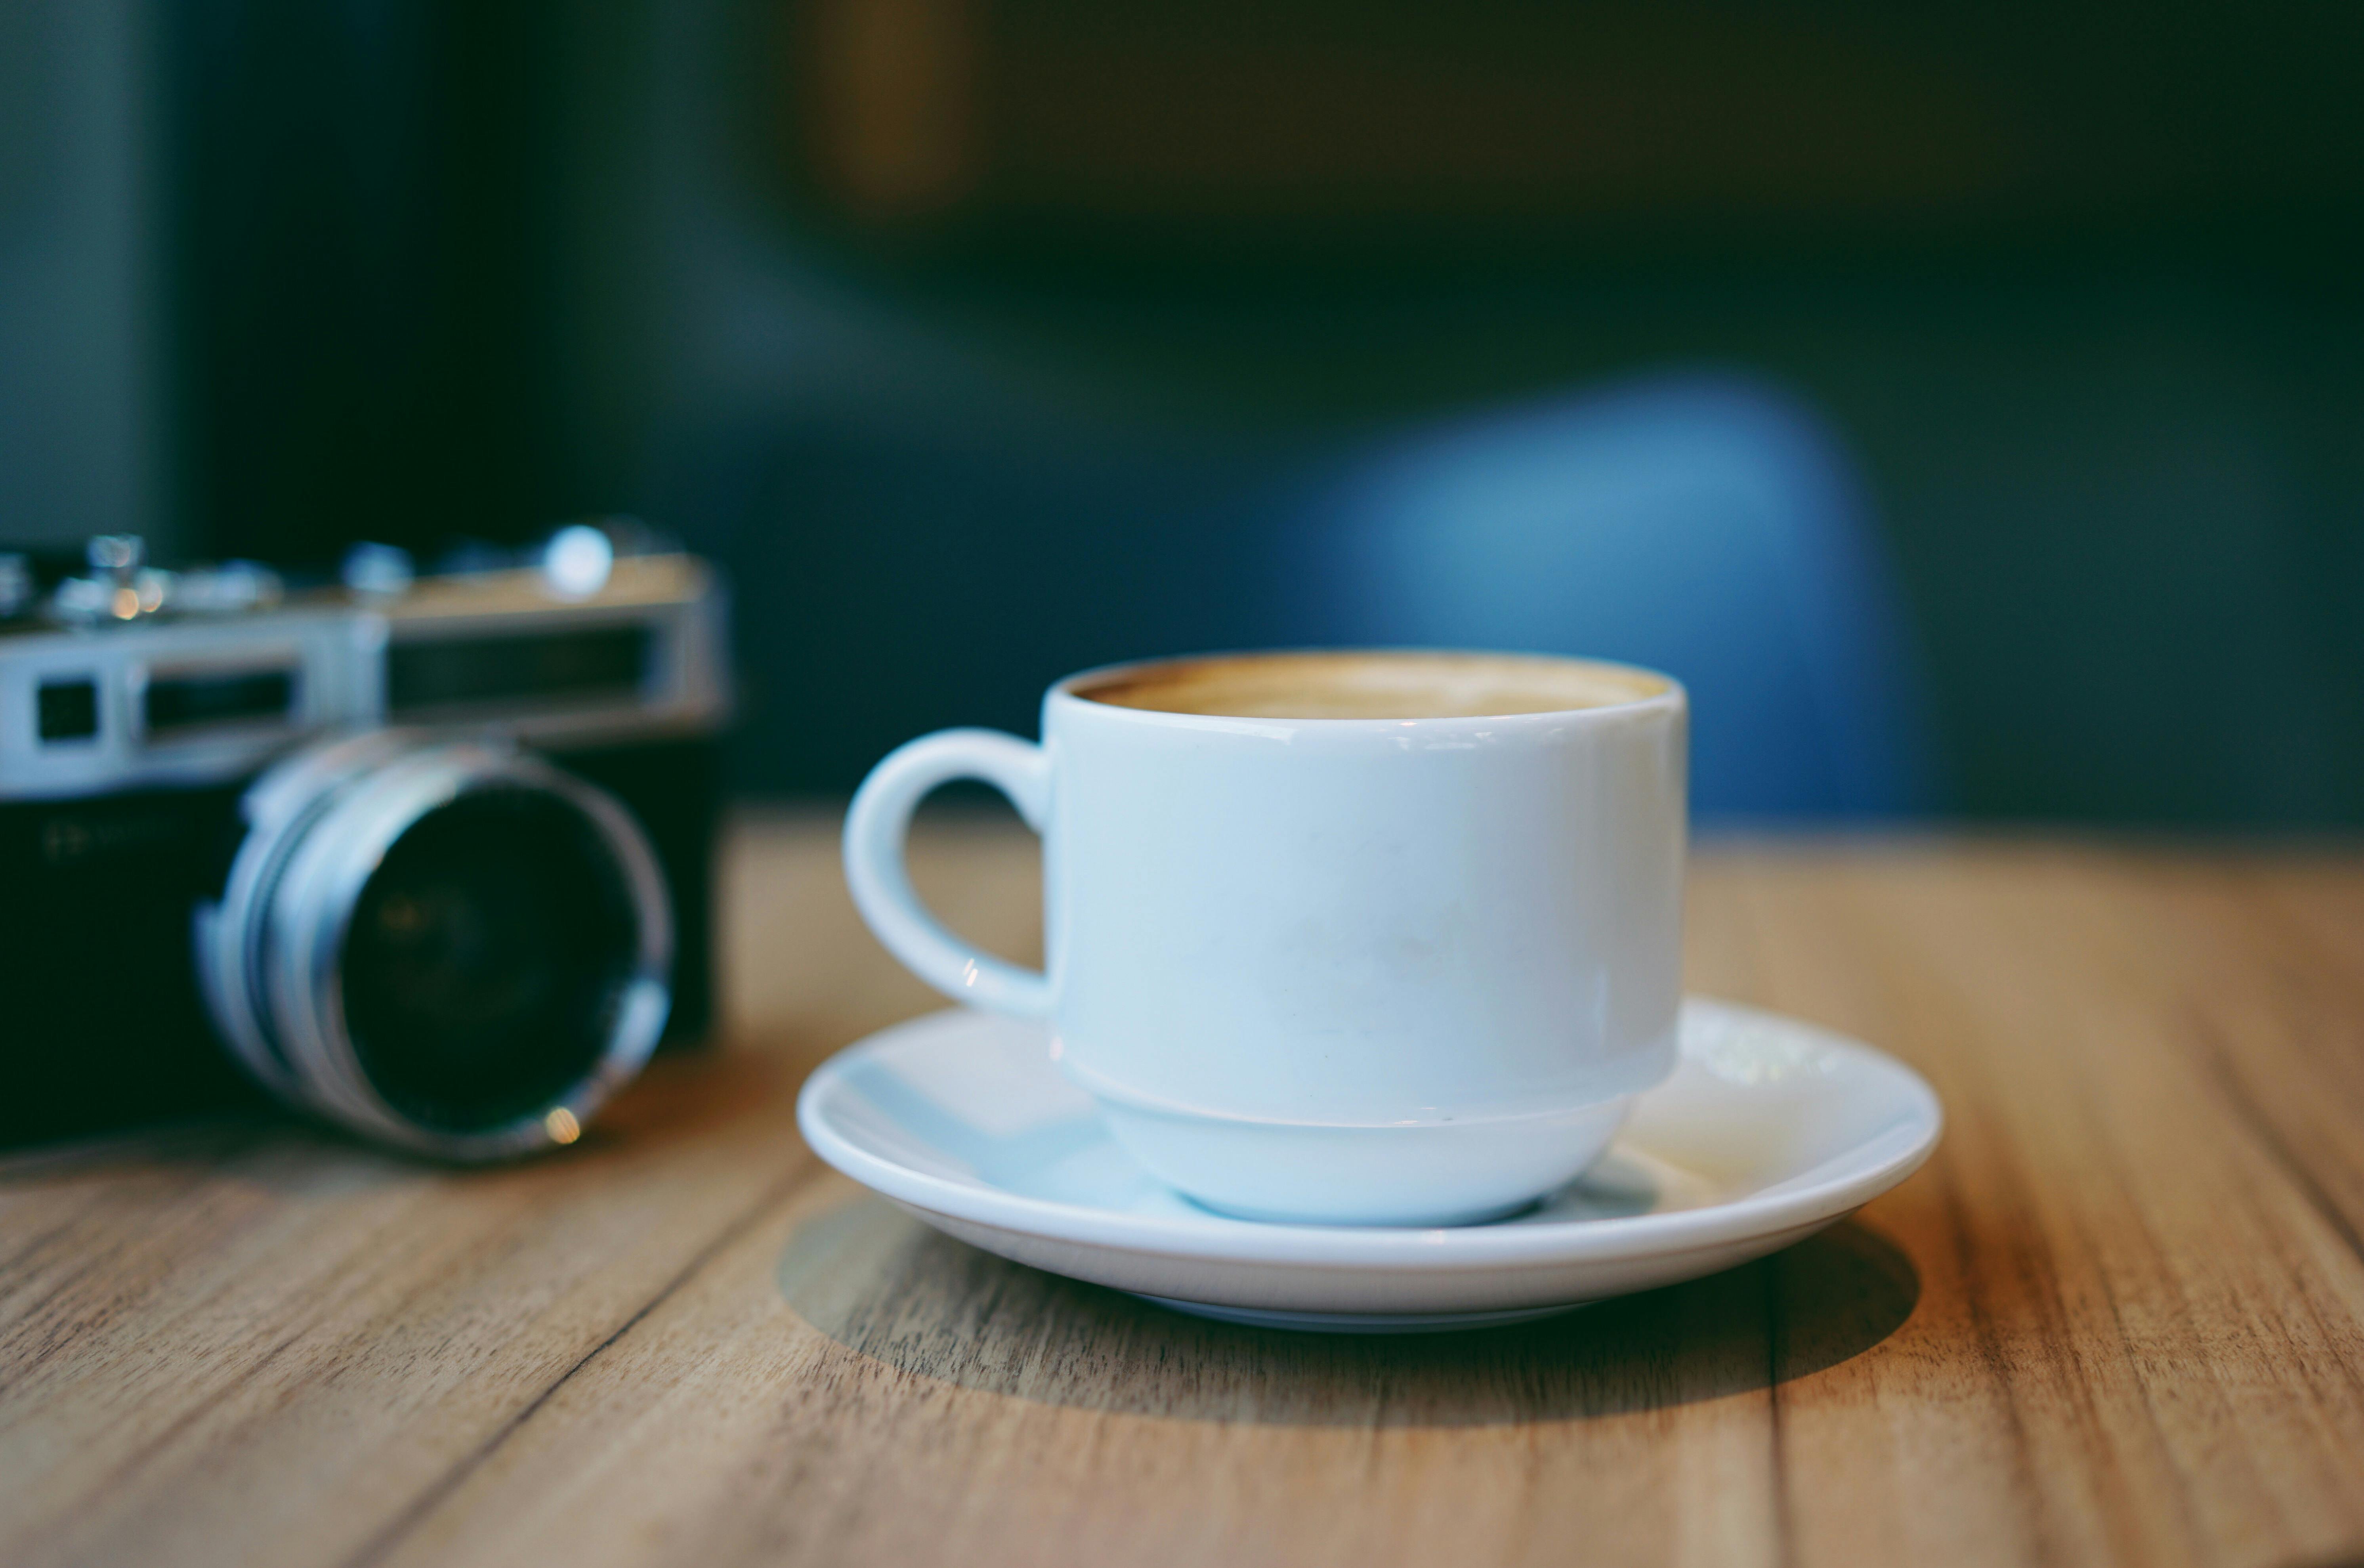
(2127,1353)
(1988,1347)
(391,1535)
(2261,1127)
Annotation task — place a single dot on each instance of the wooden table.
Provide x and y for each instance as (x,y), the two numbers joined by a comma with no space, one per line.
(2119,1318)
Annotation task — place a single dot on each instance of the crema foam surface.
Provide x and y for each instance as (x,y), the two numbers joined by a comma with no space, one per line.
(1399,685)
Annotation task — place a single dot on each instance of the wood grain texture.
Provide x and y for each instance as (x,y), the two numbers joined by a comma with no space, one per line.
(2119,1318)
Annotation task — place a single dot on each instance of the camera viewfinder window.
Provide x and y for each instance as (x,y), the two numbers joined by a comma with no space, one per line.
(69,710)
(231,697)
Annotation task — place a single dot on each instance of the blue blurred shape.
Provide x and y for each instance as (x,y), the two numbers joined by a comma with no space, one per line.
(1708,526)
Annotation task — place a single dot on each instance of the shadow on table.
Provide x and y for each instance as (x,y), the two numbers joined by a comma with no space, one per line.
(895,1293)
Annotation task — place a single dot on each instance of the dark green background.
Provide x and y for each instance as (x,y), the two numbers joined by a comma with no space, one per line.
(459,274)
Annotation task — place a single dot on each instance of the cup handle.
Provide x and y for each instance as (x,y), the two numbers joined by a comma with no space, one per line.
(876,826)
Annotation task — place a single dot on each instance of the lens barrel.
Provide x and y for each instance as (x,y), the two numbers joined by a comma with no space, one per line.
(448,945)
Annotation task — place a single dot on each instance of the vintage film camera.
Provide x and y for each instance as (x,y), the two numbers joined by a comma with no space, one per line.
(427,858)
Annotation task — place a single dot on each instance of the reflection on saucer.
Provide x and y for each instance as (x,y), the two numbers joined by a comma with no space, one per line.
(1768,1131)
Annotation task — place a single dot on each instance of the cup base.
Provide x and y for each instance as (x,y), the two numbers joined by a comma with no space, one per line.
(1423,1175)
(1419,1222)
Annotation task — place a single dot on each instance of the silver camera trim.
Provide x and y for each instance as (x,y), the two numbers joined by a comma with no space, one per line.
(337,646)
(320,823)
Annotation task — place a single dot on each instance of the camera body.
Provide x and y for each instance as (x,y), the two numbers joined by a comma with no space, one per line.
(429,858)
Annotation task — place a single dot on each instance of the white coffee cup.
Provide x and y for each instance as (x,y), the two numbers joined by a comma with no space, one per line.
(1360,952)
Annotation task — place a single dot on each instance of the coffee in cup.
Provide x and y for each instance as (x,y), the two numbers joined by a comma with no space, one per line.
(1385,937)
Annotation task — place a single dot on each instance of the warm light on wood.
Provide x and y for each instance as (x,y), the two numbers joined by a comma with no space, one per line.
(2119,1318)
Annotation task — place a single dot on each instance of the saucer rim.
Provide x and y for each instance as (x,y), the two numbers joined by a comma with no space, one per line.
(1443,1250)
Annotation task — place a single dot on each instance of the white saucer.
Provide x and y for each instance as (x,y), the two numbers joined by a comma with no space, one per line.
(1768,1131)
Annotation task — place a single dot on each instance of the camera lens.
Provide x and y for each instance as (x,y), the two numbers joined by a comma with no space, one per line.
(487,958)
(453,947)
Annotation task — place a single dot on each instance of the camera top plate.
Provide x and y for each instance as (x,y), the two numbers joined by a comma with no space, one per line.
(183,701)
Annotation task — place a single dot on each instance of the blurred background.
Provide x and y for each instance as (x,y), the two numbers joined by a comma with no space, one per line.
(1968,402)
